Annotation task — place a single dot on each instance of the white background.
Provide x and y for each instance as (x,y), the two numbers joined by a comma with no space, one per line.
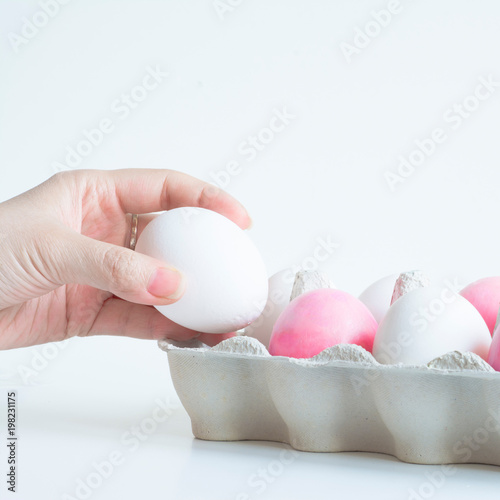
(321,177)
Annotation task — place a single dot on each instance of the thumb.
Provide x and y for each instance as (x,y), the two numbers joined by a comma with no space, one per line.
(130,275)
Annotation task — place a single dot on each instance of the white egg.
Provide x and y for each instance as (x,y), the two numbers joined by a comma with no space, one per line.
(226,279)
(427,323)
(280,289)
(377,297)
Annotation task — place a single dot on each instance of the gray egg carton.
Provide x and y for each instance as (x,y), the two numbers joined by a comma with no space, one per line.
(447,411)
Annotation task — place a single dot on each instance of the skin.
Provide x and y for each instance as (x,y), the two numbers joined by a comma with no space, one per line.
(65,270)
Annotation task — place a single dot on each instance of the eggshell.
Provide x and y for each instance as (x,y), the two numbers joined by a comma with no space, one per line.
(280,288)
(226,279)
(320,319)
(484,295)
(427,323)
(377,297)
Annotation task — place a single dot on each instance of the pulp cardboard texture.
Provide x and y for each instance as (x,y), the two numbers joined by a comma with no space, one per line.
(341,400)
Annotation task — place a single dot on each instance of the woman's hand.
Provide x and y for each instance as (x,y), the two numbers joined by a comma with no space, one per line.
(64,266)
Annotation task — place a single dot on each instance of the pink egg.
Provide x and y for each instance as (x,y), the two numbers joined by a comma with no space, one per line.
(484,295)
(320,319)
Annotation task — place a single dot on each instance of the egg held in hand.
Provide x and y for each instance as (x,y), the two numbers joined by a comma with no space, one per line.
(319,319)
(484,295)
(226,279)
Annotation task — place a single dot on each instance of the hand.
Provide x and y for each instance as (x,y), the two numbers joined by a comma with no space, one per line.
(64,268)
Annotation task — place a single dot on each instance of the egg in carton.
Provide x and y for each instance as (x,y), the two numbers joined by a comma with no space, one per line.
(422,408)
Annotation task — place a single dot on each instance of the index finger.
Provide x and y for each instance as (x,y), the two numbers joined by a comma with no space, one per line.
(141,191)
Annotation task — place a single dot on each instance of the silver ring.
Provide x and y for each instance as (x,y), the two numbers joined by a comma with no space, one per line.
(133,231)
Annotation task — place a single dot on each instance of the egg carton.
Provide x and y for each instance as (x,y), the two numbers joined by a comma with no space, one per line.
(342,399)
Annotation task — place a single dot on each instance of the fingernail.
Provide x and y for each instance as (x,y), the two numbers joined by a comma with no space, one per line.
(251,223)
(166,283)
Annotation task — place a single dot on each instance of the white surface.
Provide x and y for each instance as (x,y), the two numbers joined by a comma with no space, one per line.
(321,180)
(97,389)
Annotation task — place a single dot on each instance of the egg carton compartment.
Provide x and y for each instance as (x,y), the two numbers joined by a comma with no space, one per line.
(342,399)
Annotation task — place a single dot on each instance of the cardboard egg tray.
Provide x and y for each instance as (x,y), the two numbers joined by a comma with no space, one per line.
(340,400)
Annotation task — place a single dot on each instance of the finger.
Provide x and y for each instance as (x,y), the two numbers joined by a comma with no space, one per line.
(118,317)
(130,275)
(141,191)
